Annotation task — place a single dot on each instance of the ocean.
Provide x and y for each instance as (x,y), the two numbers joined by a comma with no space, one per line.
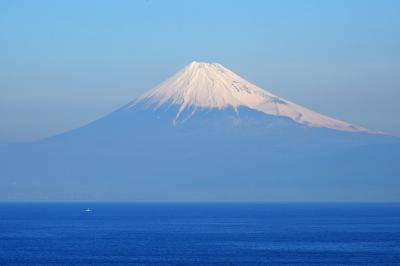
(200,234)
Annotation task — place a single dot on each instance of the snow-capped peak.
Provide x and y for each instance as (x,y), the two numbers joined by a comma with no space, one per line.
(211,85)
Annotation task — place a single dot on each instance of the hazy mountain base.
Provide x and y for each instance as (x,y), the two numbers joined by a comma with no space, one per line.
(216,155)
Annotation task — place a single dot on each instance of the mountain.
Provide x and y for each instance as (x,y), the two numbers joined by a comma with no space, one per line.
(206,134)
(212,86)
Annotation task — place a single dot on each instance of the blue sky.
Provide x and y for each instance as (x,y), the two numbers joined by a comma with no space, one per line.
(65,63)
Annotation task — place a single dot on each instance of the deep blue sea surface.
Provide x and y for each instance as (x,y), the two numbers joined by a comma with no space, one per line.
(199,234)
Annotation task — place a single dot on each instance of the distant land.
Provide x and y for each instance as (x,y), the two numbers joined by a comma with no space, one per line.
(206,134)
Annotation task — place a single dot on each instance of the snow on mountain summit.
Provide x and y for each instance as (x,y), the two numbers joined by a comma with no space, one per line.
(211,85)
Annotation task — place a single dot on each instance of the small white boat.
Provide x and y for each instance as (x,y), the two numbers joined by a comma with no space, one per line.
(88,210)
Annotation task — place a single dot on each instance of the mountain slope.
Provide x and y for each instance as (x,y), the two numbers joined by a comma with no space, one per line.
(211,85)
(172,145)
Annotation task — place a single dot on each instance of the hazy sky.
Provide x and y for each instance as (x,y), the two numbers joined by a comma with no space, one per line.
(65,63)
